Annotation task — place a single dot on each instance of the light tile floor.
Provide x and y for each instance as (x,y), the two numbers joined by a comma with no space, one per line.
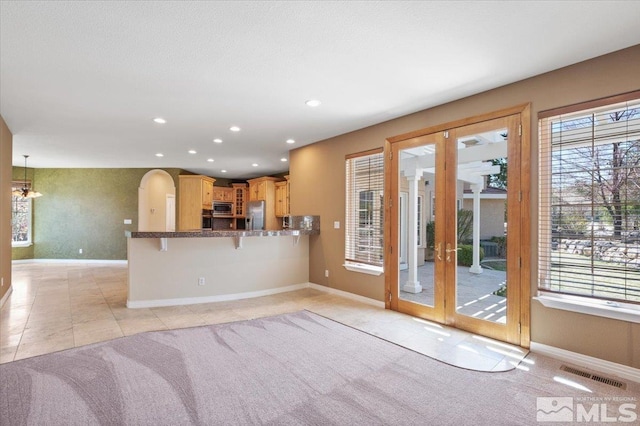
(56,306)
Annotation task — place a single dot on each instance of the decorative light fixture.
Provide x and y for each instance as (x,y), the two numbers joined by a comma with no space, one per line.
(26,192)
(159,120)
(217,140)
(290,141)
(234,128)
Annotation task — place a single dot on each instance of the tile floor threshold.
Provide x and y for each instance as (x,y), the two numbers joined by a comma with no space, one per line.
(60,306)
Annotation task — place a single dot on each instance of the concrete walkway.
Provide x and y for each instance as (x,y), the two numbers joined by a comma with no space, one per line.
(474,292)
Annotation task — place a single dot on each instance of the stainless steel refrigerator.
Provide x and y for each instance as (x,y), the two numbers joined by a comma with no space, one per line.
(255,215)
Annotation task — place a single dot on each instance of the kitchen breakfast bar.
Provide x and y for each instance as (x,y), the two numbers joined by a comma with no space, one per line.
(202,266)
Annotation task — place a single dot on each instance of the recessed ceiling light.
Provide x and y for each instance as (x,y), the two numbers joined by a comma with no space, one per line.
(313,102)
(283,160)
(159,154)
(290,141)
(223,171)
(210,160)
(159,120)
(234,128)
(192,151)
(255,164)
(217,140)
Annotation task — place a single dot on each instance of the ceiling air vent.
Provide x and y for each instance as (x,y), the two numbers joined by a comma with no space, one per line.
(606,380)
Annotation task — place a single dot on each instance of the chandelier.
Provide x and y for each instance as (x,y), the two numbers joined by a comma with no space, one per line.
(26,191)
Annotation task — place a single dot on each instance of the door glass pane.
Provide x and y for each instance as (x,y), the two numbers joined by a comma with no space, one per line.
(417,224)
(481,272)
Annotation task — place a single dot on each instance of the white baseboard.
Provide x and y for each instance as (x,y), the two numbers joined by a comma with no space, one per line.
(209,299)
(346,294)
(622,371)
(107,261)
(6,296)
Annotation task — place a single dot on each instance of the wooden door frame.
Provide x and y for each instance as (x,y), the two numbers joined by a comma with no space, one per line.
(524,202)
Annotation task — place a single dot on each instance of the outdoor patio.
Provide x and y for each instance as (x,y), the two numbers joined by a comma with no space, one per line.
(474,292)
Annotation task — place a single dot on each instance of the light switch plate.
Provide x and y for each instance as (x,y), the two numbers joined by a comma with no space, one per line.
(127,221)
(336,224)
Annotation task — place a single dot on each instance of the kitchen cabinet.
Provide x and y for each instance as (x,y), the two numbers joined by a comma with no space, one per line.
(195,194)
(240,191)
(207,194)
(282,198)
(264,189)
(223,194)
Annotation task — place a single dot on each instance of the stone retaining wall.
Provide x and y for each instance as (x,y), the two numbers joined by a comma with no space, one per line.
(606,251)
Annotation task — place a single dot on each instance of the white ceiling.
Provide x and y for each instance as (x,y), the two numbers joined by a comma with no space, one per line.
(81,81)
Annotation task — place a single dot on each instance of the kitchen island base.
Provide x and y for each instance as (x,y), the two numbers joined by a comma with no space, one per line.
(203,270)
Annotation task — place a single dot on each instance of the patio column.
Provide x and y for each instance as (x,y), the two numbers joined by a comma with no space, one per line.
(413,285)
(475,267)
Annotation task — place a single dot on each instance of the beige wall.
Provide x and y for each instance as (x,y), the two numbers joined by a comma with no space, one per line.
(6,152)
(318,187)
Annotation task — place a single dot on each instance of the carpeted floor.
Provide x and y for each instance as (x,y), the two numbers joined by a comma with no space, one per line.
(289,369)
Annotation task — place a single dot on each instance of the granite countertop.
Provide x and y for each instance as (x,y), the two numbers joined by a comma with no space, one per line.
(206,233)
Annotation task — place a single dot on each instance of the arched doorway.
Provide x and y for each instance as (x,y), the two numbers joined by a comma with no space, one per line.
(156,202)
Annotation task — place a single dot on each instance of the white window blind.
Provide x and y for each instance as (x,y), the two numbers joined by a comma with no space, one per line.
(364,242)
(589,227)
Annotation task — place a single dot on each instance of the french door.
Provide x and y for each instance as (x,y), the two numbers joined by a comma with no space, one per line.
(460,226)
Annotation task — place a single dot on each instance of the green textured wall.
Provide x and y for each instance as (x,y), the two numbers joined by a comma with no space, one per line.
(85,209)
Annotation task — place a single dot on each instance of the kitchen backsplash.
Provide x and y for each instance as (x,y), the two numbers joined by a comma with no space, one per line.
(304,222)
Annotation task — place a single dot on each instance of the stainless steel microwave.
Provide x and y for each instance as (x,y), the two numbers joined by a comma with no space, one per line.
(221,208)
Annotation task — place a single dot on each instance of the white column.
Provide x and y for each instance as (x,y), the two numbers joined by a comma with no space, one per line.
(475,267)
(413,285)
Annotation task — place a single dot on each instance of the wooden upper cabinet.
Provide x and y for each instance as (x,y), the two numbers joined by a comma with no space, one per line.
(282,198)
(223,194)
(195,195)
(207,194)
(240,194)
(262,188)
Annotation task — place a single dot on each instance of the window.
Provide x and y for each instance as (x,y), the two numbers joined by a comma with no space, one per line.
(20,218)
(589,228)
(364,243)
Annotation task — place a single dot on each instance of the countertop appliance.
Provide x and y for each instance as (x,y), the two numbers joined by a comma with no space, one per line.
(255,215)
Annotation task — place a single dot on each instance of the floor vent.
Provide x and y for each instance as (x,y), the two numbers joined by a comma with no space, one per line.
(597,378)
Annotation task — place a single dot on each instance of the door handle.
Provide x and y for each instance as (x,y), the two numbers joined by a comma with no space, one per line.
(449,250)
(439,251)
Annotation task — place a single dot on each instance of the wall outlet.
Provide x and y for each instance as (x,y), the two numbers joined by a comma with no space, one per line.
(201,281)
(326,273)
(127,221)
(80,251)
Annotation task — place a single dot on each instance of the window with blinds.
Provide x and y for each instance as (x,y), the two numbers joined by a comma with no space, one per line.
(20,216)
(589,227)
(364,242)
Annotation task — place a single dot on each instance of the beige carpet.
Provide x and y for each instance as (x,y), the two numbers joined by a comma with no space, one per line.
(289,369)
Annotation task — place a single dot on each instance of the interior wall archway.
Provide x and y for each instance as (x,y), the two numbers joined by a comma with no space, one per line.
(156,202)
